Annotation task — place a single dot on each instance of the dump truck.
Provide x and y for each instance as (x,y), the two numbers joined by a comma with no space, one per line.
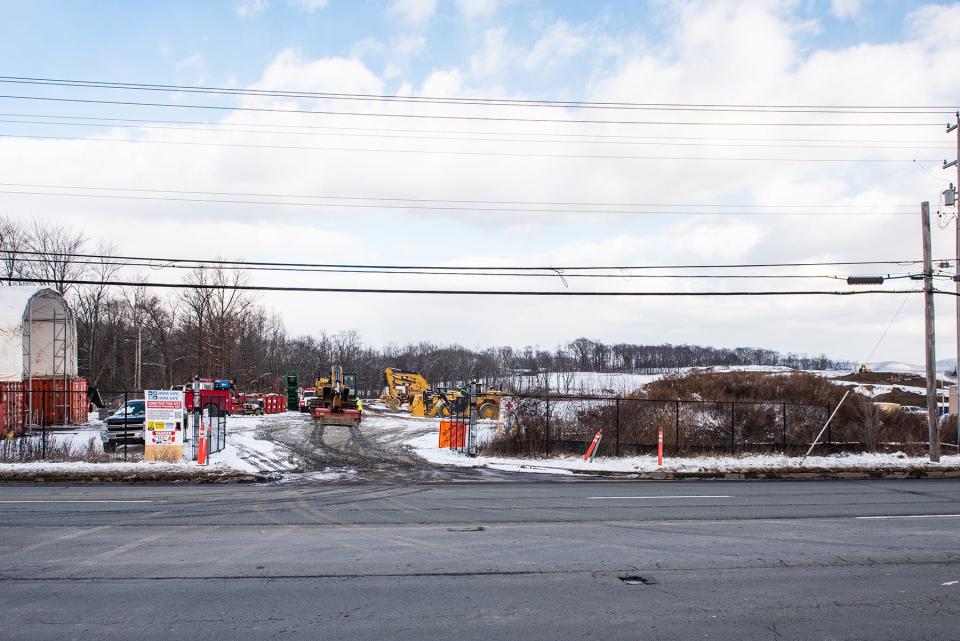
(336,399)
(411,389)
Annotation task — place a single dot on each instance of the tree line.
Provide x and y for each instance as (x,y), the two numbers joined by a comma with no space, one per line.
(132,338)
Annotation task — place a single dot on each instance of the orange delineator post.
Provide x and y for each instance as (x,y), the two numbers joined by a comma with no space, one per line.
(593,446)
(660,446)
(202,443)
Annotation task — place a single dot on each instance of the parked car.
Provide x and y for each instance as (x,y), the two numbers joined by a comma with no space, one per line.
(125,426)
(913,409)
(253,406)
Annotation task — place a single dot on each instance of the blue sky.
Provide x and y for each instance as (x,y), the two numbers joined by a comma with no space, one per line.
(188,42)
(879,52)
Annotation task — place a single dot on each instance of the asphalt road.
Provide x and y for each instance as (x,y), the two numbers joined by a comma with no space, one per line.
(519,559)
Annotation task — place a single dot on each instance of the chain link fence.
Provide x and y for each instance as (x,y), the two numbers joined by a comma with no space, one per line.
(546,424)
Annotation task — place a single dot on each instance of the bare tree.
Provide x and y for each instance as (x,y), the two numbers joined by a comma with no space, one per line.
(54,259)
(13,240)
(89,307)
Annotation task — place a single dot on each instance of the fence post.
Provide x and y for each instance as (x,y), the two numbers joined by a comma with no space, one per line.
(783,426)
(43,438)
(733,431)
(548,423)
(676,427)
(617,446)
(125,426)
(829,439)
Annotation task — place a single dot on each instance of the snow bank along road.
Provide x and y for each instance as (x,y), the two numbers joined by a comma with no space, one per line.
(530,559)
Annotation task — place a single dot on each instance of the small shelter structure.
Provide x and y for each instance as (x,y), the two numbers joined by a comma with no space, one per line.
(38,360)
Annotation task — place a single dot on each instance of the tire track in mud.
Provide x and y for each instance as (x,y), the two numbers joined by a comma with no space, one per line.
(355,452)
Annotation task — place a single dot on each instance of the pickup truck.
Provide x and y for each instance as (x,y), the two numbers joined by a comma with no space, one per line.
(124,427)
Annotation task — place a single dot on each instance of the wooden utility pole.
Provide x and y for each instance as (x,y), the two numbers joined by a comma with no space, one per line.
(931,342)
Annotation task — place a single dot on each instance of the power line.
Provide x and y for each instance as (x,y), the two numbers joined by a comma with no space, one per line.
(311,127)
(114,196)
(550,268)
(373,114)
(220,130)
(463,292)
(392,199)
(551,274)
(458,152)
(512,102)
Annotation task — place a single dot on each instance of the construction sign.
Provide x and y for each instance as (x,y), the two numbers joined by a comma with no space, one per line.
(163,425)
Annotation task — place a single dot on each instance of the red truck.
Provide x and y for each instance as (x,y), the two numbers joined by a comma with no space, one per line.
(216,395)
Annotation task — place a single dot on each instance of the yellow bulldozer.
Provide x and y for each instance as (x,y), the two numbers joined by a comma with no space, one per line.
(411,389)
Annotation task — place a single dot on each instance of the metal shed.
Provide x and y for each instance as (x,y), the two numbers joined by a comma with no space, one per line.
(38,359)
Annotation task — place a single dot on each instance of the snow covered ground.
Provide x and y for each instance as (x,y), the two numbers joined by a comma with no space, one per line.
(620,383)
(244,451)
(250,450)
(583,382)
(278,445)
(426,446)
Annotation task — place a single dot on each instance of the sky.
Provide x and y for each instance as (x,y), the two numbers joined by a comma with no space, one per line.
(713,173)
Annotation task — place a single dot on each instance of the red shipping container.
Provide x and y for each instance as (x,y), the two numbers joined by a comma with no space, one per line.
(57,401)
(12,412)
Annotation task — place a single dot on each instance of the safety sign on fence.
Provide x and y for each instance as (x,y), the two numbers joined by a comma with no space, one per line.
(507,415)
(163,425)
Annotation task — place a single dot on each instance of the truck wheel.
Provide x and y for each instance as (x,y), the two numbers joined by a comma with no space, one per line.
(487,410)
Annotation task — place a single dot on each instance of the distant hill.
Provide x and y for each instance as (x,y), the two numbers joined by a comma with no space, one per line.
(943,365)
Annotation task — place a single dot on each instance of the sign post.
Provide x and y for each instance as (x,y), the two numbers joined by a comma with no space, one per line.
(163,425)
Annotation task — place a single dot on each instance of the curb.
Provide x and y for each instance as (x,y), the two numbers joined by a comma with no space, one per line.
(201,477)
(786,474)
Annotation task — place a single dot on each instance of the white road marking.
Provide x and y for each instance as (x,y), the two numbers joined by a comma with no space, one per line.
(675,496)
(77,501)
(950,583)
(912,516)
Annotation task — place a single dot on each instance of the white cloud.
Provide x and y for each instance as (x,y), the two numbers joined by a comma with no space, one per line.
(495,55)
(709,52)
(367,46)
(251,8)
(309,5)
(477,8)
(559,43)
(289,70)
(443,83)
(415,12)
(408,44)
(845,8)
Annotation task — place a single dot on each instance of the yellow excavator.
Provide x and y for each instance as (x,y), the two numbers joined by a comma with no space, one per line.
(401,387)
(413,390)
(335,402)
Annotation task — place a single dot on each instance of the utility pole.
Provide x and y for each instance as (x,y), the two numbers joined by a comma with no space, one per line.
(931,342)
(951,199)
(138,359)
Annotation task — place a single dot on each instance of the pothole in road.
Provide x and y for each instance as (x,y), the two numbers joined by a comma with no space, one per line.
(634,579)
